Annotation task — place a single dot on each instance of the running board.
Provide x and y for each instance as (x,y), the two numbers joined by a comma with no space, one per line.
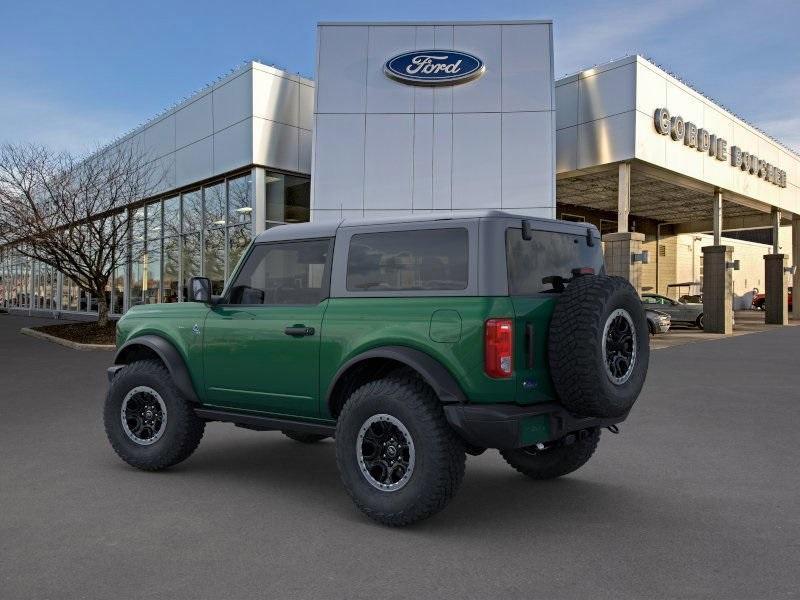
(262,423)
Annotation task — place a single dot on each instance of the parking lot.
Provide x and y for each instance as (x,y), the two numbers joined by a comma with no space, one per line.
(696,498)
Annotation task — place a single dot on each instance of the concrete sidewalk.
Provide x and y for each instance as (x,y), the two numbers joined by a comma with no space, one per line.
(696,498)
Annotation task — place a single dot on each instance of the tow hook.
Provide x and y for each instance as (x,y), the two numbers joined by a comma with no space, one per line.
(613,429)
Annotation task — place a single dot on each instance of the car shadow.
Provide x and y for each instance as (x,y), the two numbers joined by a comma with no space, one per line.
(492,497)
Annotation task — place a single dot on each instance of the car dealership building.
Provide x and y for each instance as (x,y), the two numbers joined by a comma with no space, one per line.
(443,117)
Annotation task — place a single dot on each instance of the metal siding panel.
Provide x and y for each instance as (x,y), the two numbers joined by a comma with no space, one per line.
(339,162)
(527,167)
(275,145)
(233,101)
(276,98)
(567,149)
(567,105)
(476,161)
(423,96)
(385,95)
(194,162)
(423,162)
(526,75)
(388,168)
(482,94)
(306,101)
(159,138)
(305,151)
(443,96)
(342,69)
(442,161)
(194,121)
(606,140)
(607,93)
(233,147)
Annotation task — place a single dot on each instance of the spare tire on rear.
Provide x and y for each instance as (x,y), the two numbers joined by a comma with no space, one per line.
(598,347)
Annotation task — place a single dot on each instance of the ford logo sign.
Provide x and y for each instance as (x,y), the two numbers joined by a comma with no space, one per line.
(434,67)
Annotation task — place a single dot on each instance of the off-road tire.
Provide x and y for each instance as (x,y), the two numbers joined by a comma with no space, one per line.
(554,462)
(578,365)
(440,458)
(304,438)
(183,430)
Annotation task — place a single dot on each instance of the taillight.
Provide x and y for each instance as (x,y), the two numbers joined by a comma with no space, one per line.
(499,348)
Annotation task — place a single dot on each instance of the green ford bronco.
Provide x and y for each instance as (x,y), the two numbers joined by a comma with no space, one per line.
(411,341)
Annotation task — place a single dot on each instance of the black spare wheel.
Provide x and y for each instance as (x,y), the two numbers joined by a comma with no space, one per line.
(598,348)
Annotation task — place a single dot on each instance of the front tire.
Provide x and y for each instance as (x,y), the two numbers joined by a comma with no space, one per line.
(397,456)
(150,425)
(559,460)
(700,321)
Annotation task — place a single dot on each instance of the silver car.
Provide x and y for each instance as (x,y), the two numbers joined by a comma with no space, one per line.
(680,312)
(657,321)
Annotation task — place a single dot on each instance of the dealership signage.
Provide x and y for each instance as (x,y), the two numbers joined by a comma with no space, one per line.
(434,67)
(706,142)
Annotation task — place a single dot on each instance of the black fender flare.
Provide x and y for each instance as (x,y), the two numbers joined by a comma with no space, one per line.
(431,370)
(171,358)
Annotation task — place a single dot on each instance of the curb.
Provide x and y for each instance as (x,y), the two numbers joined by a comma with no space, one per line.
(61,341)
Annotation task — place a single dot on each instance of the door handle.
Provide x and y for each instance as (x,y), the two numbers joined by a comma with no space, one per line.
(298,330)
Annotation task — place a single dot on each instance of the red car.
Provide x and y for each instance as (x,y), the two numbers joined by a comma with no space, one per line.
(760,299)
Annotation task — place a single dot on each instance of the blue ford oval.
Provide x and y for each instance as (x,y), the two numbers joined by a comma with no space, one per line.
(434,67)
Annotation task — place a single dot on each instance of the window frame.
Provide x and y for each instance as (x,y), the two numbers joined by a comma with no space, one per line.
(342,253)
(325,290)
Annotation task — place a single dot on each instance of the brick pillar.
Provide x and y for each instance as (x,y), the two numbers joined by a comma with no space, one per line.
(776,289)
(618,250)
(717,287)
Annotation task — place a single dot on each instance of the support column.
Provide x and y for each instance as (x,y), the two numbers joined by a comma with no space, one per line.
(717,217)
(776,230)
(796,263)
(623,197)
(259,200)
(619,250)
(776,289)
(717,286)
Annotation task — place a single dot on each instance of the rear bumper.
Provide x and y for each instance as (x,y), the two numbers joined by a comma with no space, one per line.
(508,426)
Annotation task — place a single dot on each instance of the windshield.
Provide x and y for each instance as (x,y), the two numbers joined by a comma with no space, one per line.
(547,256)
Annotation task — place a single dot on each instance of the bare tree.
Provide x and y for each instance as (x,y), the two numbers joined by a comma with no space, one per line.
(70,213)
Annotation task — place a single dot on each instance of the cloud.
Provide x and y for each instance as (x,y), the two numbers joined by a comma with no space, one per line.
(33,116)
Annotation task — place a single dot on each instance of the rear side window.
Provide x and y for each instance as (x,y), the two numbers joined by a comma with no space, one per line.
(547,254)
(421,260)
(283,273)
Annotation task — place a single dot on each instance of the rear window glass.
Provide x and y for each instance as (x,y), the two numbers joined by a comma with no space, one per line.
(547,254)
(422,260)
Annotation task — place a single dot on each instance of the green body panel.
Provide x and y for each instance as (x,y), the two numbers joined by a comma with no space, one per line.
(173,322)
(533,385)
(252,364)
(354,325)
(249,363)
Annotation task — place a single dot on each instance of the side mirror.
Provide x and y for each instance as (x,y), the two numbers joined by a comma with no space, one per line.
(200,290)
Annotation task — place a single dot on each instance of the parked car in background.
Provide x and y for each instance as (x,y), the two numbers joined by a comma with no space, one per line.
(686,313)
(657,321)
(760,300)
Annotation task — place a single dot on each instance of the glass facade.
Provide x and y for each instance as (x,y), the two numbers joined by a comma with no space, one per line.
(202,231)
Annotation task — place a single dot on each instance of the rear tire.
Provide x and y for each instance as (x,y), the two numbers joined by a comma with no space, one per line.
(304,438)
(554,462)
(150,425)
(397,456)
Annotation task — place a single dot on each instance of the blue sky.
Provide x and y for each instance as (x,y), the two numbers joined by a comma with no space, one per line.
(75,74)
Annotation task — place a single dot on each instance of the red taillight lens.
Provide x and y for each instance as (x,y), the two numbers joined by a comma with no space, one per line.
(499,348)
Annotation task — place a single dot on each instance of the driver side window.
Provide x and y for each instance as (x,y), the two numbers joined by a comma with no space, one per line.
(284,273)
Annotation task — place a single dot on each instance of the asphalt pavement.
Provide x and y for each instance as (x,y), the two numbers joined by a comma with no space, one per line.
(698,497)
